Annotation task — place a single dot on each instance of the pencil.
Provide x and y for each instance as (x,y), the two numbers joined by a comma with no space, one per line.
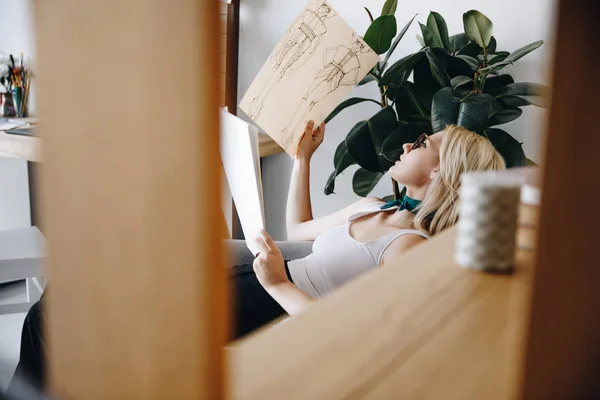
(25,98)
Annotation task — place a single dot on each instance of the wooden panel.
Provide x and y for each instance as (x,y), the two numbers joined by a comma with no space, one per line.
(222,80)
(222,23)
(267,146)
(420,329)
(20,147)
(233,24)
(223,43)
(564,348)
(223,63)
(137,301)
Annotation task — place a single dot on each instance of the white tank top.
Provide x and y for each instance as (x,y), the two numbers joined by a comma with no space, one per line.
(337,257)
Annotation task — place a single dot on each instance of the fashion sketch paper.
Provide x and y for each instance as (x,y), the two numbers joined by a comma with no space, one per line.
(311,70)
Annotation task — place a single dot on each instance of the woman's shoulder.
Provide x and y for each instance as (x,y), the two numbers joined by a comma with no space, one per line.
(410,238)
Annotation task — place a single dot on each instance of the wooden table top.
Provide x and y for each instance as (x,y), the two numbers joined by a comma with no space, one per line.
(20,147)
(30,148)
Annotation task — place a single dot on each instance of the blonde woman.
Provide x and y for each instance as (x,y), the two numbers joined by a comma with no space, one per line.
(362,236)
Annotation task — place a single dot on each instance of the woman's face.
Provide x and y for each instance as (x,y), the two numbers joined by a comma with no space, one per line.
(419,164)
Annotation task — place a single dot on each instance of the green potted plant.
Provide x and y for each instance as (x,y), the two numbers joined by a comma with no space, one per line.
(455,79)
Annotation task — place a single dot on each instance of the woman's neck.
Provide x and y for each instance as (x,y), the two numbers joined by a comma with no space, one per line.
(401,219)
(416,193)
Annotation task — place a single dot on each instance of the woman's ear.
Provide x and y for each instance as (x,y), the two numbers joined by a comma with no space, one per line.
(434,173)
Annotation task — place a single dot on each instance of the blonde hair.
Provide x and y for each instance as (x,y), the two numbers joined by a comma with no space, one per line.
(461,151)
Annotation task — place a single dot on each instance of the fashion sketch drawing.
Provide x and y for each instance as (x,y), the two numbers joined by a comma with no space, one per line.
(314,66)
(341,67)
(299,43)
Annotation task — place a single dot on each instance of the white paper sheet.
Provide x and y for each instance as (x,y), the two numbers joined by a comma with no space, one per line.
(311,70)
(240,157)
(6,124)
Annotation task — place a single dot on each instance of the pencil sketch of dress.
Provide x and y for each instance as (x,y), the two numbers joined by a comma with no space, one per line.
(341,68)
(299,44)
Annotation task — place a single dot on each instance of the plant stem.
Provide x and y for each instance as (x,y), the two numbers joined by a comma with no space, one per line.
(396,189)
(382,92)
(384,102)
(485,54)
(466,97)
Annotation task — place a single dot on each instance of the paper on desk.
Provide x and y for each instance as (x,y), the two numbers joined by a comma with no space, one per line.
(240,157)
(6,124)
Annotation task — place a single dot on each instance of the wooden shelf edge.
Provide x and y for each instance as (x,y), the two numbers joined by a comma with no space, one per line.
(267,146)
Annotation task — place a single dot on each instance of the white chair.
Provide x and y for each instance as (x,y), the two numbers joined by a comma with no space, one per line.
(22,253)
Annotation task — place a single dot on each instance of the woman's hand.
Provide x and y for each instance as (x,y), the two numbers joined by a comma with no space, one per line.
(270,271)
(268,265)
(311,140)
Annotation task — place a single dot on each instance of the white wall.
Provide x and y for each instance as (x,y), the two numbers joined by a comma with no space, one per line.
(263,22)
(16,20)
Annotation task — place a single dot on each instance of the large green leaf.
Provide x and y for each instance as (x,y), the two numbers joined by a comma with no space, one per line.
(497,57)
(341,160)
(347,103)
(473,113)
(368,78)
(437,26)
(478,27)
(364,181)
(381,125)
(513,101)
(460,80)
(470,112)
(425,84)
(405,133)
(366,138)
(491,48)
(418,123)
(361,148)
(429,38)
(396,41)
(444,109)
(471,50)
(389,7)
(539,101)
(472,62)
(504,116)
(399,72)
(495,106)
(518,54)
(510,149)
(438,70)
(458,42)
(524,89)
(380,34)
(407,102)
(453,65)
(495,84)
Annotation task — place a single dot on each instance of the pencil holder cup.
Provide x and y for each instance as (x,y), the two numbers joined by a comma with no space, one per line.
(8,105)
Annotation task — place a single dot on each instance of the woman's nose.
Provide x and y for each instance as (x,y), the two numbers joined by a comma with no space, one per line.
(407,147)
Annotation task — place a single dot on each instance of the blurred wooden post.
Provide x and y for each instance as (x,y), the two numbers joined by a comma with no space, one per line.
(563,352)
(128,94)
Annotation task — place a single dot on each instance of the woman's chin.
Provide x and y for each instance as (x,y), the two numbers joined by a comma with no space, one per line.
(393,172)
(394,169)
